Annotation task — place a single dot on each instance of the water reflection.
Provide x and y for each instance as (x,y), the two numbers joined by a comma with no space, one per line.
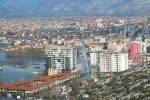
(13,76)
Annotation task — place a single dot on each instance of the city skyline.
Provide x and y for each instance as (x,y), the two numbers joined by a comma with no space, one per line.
(75,49)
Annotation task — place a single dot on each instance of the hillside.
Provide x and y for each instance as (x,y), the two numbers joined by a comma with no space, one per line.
(16,8)
(133,84)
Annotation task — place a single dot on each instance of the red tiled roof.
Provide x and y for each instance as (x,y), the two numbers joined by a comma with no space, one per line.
(29,85)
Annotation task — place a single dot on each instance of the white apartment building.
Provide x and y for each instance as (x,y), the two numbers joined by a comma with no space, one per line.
(93,59)
(113,62)
(62,58)
(119,62)
(105,62)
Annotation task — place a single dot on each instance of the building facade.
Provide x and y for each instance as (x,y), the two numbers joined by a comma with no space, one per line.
(93,59)
(61,58)
(113,62)
(138,50)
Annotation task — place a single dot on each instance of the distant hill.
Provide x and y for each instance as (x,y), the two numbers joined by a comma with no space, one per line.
(20,8)
(133,84)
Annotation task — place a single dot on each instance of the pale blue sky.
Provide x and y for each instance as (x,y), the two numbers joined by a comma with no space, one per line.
(73,7)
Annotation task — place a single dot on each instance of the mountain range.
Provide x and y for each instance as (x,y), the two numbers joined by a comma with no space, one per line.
(16,8)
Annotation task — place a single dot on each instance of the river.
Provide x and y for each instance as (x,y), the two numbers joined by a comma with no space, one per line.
(10,76)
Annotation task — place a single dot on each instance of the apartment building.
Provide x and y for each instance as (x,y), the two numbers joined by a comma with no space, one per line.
(60,58)
(113,62)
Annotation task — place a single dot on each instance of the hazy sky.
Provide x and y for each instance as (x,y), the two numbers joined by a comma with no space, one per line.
(73,7)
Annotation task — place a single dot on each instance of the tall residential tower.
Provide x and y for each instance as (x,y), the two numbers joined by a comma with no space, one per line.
(60,58)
